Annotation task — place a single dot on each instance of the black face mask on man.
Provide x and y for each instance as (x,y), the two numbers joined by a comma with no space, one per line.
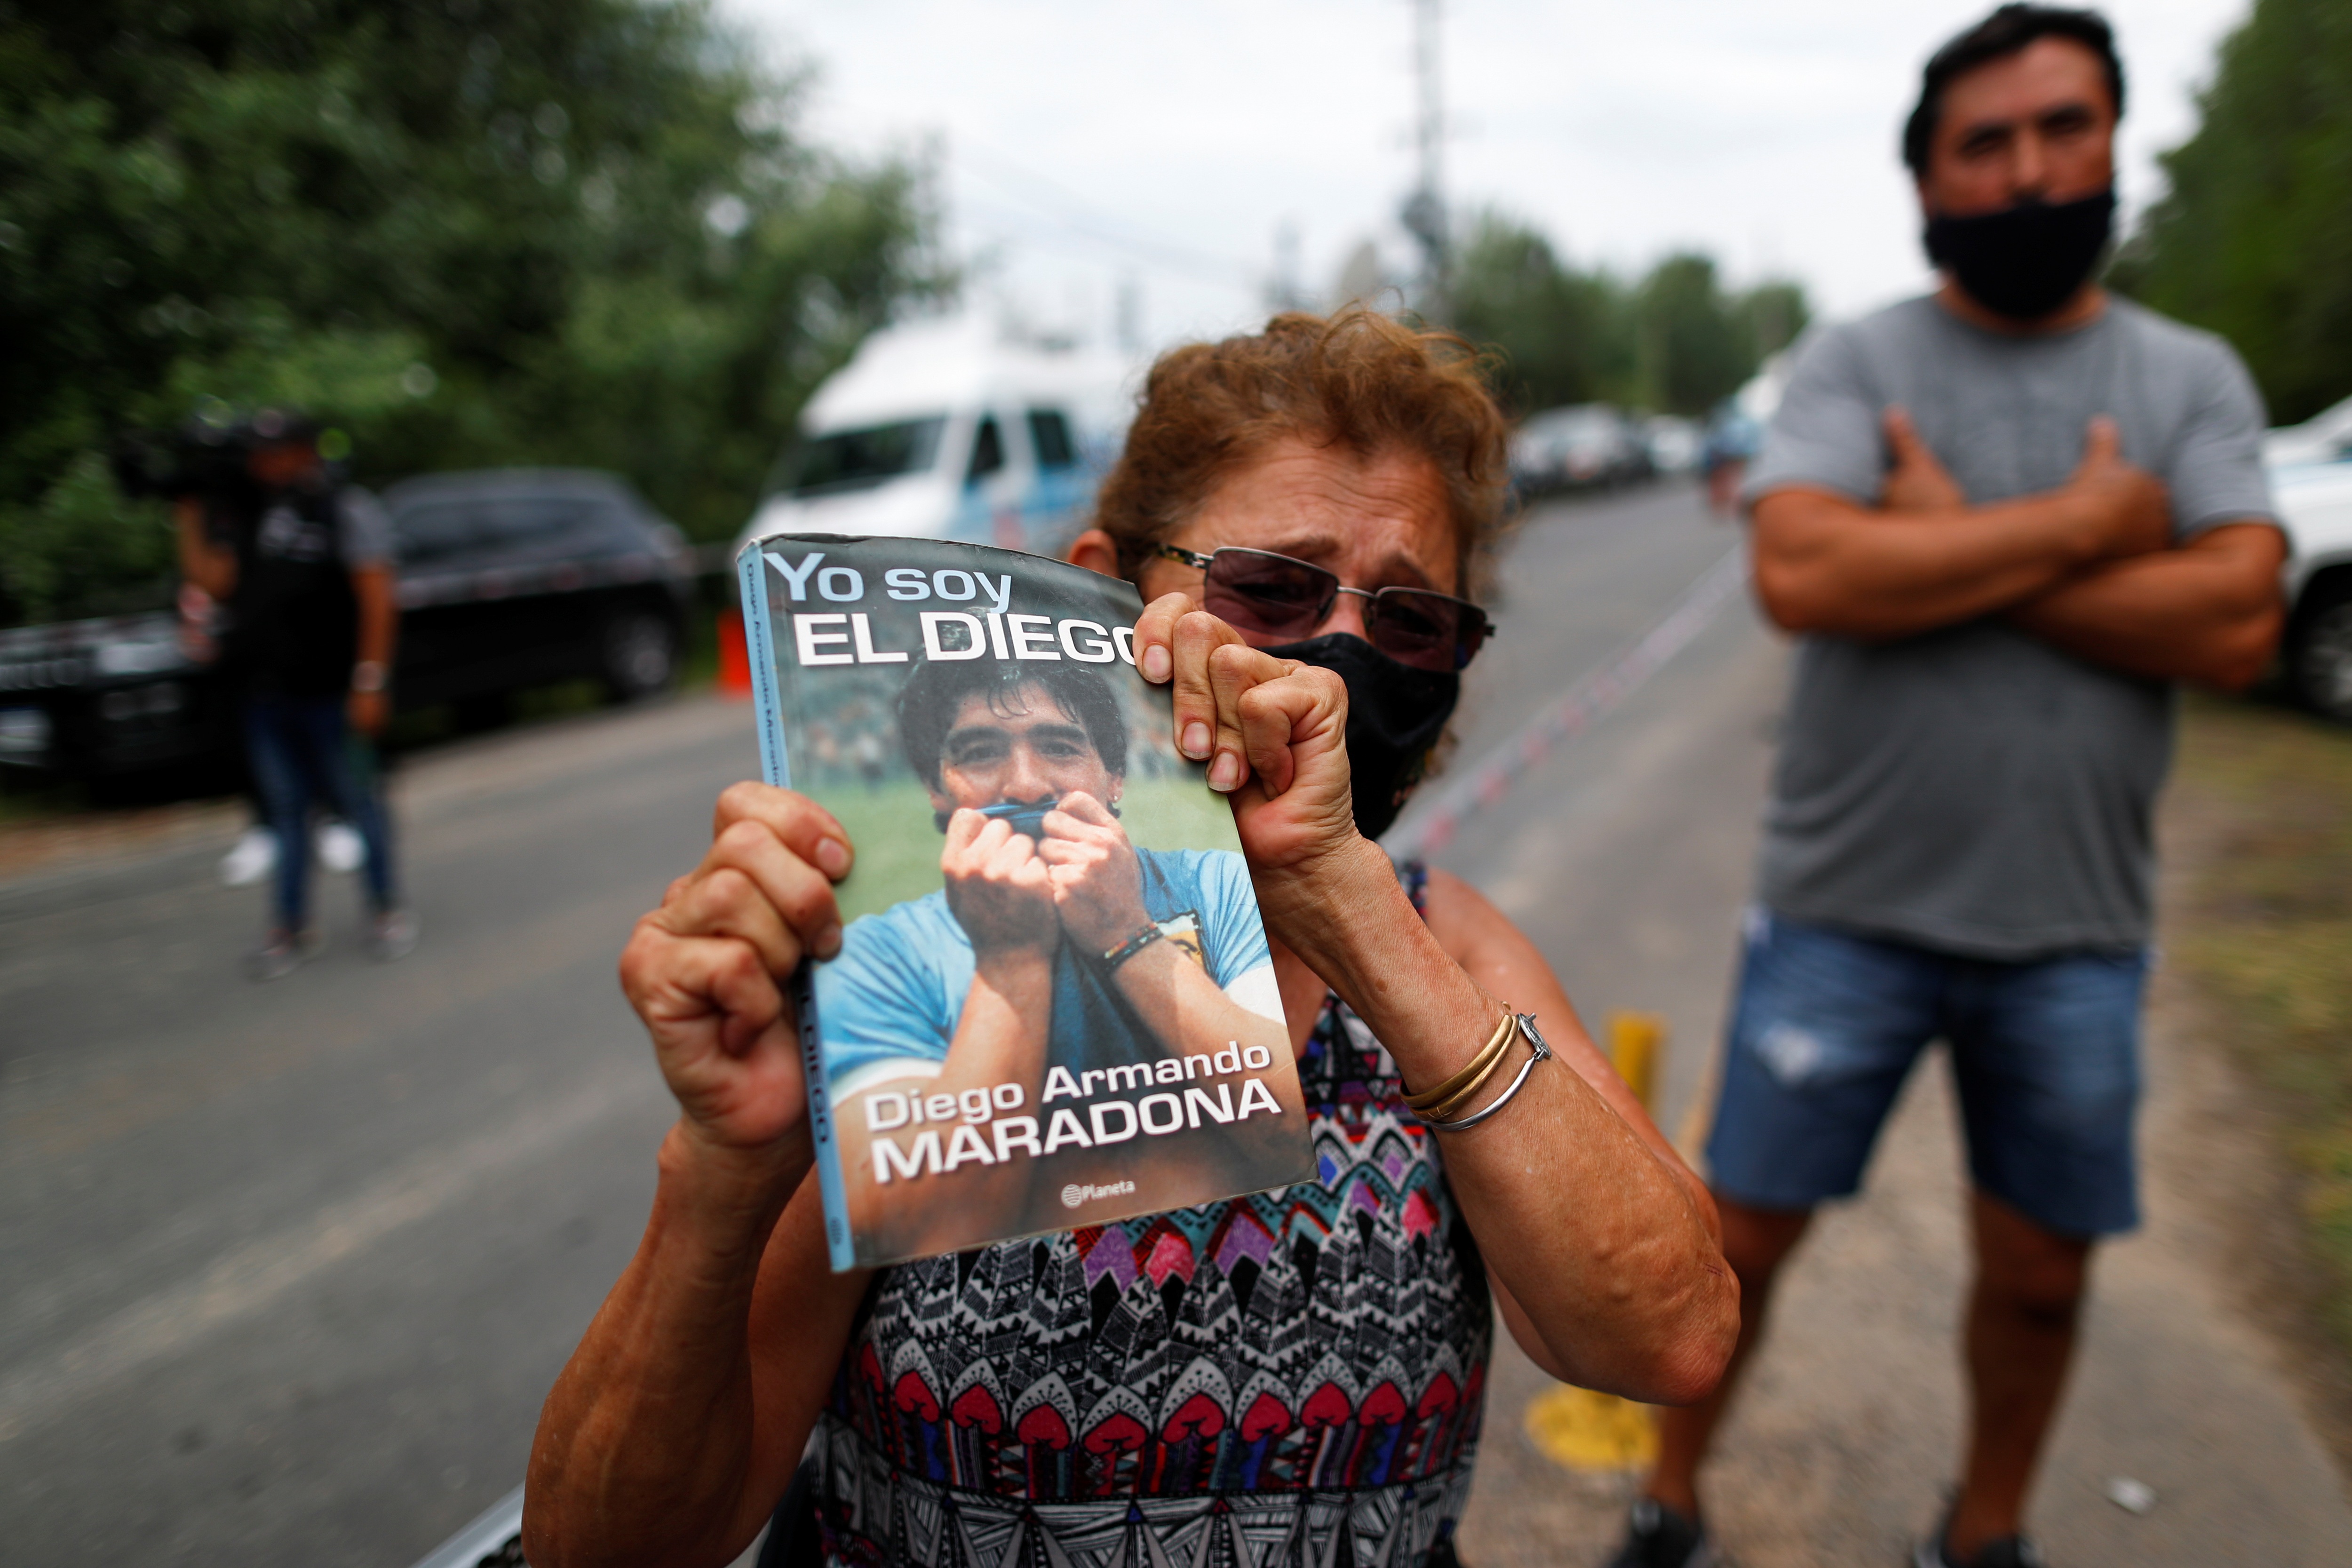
(2025,262)
(1395,715)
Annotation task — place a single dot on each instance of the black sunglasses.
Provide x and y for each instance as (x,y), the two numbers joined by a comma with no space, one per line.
(1285,598)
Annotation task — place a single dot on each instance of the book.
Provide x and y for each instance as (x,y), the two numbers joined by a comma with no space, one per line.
(1054,1005)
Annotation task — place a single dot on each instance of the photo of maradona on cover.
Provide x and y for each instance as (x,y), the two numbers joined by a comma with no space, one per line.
(1054,1005)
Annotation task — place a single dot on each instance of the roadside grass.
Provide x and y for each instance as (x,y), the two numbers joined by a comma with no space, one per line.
(2270,938)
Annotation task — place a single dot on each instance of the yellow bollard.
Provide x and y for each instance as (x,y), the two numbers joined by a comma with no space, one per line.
(1587,1431)
(1575,1426)
(1634,1040)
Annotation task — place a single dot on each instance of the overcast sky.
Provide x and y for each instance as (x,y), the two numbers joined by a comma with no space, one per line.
(1088,144)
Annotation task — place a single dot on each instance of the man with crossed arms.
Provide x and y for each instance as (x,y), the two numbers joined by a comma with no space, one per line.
(2002,519)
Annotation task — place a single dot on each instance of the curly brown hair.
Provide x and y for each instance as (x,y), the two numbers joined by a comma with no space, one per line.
(1356,379)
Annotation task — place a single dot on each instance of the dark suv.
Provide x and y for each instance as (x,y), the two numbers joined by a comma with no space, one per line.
(517,577)
(507,579)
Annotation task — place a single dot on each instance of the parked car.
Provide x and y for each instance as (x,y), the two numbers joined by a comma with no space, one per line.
(1673,442)
(2315,502)
(520,577)
(2325,437)
(507,579)
(1584,446)
(105,699)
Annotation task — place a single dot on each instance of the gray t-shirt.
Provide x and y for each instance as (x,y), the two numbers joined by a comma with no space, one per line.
(1973,789)
(363,529)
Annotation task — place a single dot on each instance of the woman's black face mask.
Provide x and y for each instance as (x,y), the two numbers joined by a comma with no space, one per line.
(2025,262)
(1395,715)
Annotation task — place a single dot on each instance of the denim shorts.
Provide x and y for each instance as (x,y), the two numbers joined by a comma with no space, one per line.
(2045,1055)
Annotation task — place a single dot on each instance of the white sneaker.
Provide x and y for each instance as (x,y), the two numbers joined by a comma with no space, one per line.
(341,847)
(254,857)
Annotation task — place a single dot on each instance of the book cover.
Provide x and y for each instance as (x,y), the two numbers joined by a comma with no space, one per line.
(1054,1005)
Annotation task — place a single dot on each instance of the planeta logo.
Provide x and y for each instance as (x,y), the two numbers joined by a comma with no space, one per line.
(1078,1192)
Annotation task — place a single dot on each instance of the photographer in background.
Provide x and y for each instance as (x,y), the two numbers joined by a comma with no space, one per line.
(304,564)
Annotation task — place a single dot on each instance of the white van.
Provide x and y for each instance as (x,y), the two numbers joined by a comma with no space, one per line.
(945,430)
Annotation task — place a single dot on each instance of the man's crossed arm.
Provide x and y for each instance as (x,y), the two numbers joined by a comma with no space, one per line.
(2088,567)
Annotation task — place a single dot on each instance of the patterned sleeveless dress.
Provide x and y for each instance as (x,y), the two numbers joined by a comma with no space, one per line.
(1293,1379)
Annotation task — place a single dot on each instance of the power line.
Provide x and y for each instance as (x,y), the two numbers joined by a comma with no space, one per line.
(1057,204)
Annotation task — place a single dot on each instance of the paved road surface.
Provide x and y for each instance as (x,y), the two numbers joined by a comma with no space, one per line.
(289,1269)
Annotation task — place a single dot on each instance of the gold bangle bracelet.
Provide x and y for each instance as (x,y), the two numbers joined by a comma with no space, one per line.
(1454,1106)
(1479,1061)
(1472,1073)
(1537,1051)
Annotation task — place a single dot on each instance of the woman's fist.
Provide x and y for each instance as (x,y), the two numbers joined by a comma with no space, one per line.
(1274,732)
(706,970)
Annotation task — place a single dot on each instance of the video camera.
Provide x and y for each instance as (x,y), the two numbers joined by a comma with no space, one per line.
(203,458)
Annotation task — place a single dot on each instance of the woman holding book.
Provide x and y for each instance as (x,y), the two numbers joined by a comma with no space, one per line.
(1293,1377)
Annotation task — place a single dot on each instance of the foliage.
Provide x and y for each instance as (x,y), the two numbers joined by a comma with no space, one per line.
(467,231)
(1565,335)
(81,542)
(2264,936)
(1675,340)
(2254,237)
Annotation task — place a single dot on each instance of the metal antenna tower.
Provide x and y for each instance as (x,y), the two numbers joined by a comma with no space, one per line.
(1423,214)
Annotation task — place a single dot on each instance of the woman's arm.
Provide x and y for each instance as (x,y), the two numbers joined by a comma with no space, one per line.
(1599,1239)
(677,1424)
(1602,1242)
(1499,957)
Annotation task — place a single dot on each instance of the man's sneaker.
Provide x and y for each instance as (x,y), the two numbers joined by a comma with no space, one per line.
(253,856)
(1657,1536)
(341,847)
(2008,1552)
(282,953)
(391,934)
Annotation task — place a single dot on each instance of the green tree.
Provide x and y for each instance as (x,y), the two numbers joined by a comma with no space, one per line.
(2253,238)
(1774,315)
(1693,350)
(1676,340)
(471,232)
(1561,334)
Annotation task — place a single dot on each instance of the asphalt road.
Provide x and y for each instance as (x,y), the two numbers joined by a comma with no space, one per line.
(290,1267)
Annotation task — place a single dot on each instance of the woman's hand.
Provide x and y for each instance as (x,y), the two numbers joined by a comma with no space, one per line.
(1272,730)
(704,970)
